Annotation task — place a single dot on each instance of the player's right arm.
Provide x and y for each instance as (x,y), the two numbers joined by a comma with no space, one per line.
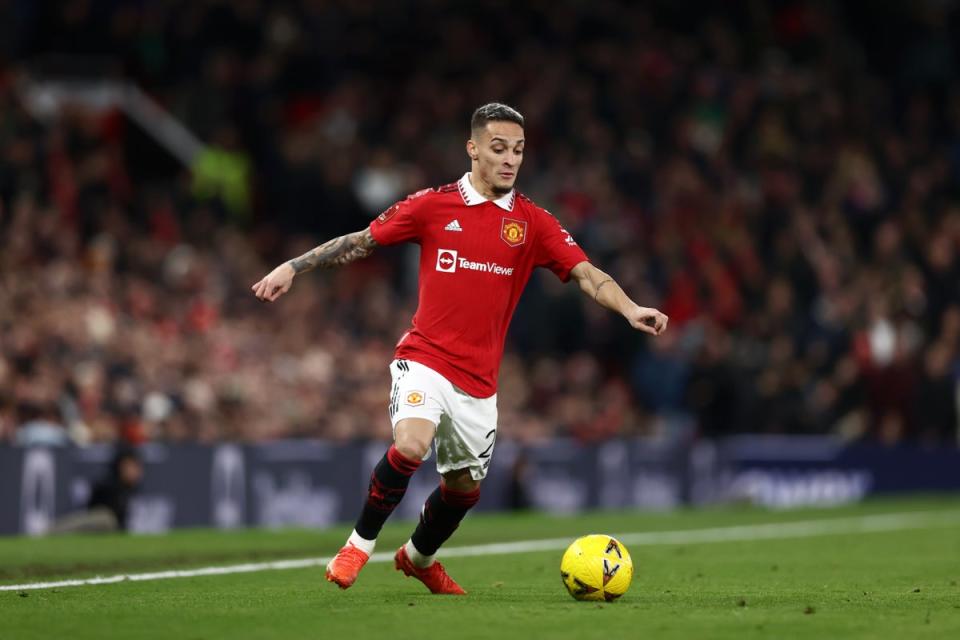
(334,253)
(397,224)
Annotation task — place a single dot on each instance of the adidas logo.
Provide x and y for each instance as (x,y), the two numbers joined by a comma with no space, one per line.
(453,226)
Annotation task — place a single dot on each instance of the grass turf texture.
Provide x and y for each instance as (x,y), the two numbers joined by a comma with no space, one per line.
(900,584)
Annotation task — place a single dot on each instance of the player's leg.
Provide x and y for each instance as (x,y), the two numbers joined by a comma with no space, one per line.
(388,484)
(415,413)
(464,442)
(442,513)
(444,509)
(389,480)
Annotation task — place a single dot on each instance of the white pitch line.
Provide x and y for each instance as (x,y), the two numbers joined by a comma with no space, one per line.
(741,533)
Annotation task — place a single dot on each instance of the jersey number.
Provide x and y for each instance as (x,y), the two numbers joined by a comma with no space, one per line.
(486,452)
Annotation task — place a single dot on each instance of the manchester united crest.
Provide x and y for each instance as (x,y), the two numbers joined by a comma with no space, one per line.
(513,232)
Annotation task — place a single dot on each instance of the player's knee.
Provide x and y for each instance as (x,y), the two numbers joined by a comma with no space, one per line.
(411,447)
(412,438)
(461,481)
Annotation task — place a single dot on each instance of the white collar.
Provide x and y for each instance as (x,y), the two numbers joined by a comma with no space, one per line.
(473,197)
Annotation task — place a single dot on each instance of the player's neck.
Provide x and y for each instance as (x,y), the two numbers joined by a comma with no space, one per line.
(483,188)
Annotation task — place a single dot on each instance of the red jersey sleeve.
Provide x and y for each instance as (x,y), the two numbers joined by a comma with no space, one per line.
(399,223)
(556,248)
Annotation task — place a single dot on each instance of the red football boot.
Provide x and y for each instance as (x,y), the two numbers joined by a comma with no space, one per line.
(346,565)
(434,577)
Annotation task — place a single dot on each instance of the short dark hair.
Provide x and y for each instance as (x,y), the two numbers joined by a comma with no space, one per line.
(494,112)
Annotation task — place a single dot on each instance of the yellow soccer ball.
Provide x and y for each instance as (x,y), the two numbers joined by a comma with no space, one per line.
(596,567)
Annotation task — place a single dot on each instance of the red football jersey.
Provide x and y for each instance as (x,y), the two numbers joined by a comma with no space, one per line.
(476,256)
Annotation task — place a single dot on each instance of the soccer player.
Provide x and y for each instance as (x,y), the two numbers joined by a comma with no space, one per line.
(479,242)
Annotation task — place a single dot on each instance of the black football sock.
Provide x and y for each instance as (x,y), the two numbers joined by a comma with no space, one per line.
(441,516)
(388,483)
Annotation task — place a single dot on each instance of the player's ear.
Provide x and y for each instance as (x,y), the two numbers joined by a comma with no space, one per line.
(472,150)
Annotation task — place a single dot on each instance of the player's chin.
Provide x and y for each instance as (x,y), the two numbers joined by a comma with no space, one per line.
(505,182)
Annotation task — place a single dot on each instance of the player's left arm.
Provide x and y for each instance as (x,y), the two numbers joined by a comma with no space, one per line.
(605,291)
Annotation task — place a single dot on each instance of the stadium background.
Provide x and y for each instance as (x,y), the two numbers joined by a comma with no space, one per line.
(780,178)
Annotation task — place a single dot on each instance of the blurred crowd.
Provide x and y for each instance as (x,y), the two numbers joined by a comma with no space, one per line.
(780,178)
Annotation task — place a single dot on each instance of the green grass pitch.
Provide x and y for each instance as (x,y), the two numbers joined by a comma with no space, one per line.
(882,584)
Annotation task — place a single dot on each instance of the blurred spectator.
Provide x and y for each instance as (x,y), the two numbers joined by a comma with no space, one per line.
(114,491)
(109,506)
(39,427)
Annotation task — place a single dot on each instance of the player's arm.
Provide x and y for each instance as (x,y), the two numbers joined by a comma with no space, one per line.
(605,291)
(335,253)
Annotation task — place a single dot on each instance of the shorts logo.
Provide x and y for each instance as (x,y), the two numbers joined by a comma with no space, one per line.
(415,399)
(513,232)
(446,260)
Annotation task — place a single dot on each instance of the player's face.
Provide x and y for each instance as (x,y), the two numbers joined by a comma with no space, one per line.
(497,154)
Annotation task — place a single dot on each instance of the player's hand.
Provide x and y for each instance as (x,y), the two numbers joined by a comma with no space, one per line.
(275,284)
(647,320)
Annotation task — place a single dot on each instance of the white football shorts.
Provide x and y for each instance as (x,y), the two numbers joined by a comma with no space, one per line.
(466,426)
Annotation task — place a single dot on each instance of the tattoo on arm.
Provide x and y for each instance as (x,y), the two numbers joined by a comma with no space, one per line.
(336,252)
(596,292)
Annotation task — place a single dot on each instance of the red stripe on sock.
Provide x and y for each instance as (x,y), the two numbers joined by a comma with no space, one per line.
(462,499)
(400,462)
